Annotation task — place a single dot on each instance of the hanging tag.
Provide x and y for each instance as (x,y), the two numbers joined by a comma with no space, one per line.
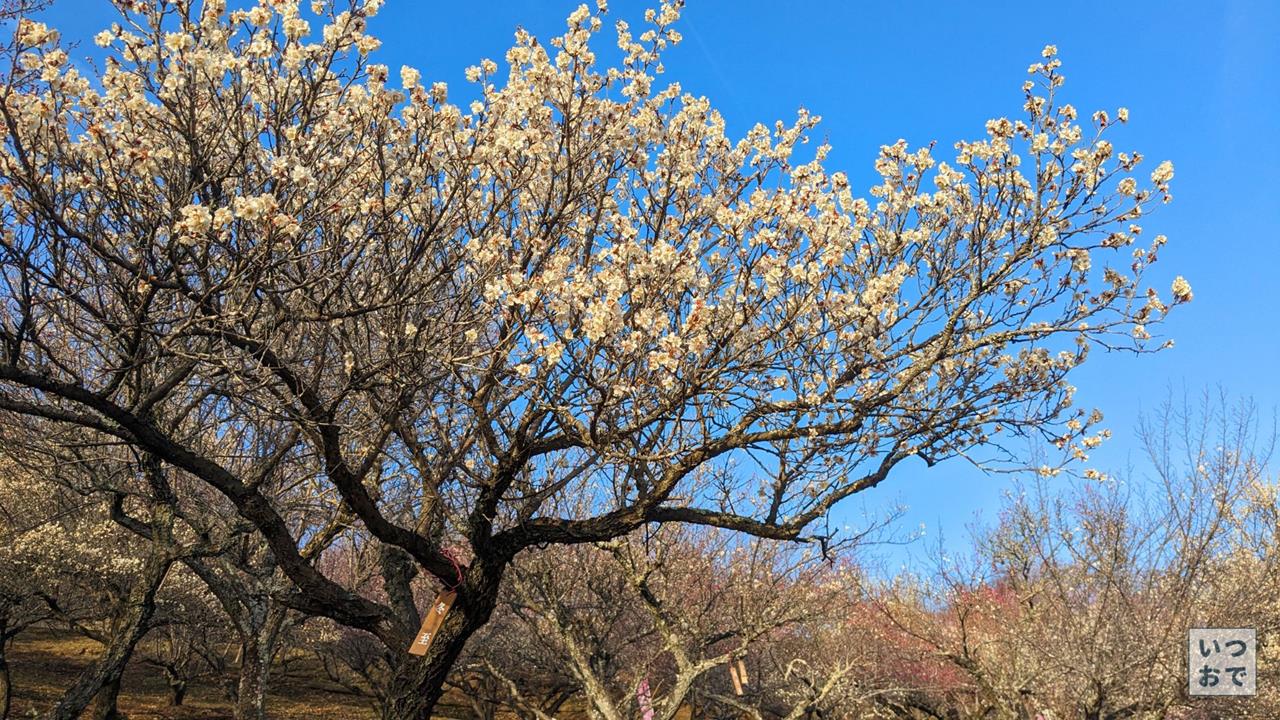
(737,681)
(431,623)
(742,672)
(644,700)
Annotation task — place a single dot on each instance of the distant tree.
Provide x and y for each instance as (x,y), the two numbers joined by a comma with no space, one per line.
(91,576)
(105,490)
(1077,603)
(671,610)
(190,644)
(234,249)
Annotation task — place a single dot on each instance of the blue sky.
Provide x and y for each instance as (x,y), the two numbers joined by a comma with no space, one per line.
(1200,80)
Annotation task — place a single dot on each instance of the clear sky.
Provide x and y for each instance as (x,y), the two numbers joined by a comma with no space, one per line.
(1201,80)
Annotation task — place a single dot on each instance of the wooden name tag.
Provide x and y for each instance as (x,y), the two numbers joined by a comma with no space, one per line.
(431,622)
(738,673)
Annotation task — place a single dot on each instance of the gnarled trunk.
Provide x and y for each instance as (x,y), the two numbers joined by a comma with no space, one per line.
(251,688)
(419,681)
(104,705)
(257,651)
(177,692)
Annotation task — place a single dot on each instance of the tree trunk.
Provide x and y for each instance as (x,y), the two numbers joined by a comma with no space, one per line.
(419,681)
(106,672)
(251,691)
(177,684)
(257,652)
(6,682)
(104,706)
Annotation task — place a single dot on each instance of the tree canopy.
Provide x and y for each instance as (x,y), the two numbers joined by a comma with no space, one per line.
(246,273)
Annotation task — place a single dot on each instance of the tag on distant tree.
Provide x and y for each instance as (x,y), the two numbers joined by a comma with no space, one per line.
(431,622)
(737,680)
(645,700)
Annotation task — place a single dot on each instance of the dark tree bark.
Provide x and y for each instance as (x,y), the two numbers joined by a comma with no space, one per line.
(177,692)
(258,649)
(105,705)
(420,681)
(251,690)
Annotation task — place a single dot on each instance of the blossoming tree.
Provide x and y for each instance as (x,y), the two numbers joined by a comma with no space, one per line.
(238,250)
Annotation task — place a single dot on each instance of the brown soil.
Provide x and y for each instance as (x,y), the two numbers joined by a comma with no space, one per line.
(45,662)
